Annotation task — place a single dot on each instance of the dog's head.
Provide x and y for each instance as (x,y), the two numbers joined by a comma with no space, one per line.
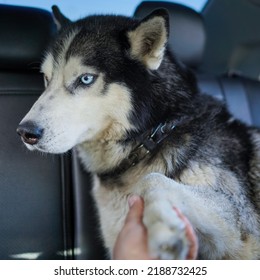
(98,77)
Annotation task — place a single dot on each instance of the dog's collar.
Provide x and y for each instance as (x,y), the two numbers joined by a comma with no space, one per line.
(148,142)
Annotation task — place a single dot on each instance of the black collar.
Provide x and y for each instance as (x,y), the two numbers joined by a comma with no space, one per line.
(148,142)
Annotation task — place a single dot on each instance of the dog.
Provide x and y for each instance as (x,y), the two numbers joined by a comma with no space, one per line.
(140,126)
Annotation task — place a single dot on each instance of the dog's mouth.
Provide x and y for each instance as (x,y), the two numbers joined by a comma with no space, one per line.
(32,147)
(36,138)
(41,147)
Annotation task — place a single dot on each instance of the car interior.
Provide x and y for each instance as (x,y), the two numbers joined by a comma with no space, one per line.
(46,208)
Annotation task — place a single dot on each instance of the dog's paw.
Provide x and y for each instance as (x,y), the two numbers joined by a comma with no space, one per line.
(168,241)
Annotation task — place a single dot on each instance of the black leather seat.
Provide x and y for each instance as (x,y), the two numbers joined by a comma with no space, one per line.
(31,186)
(188,41)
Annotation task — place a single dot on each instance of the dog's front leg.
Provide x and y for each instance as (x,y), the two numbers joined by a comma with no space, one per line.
(166,230)
(213,219)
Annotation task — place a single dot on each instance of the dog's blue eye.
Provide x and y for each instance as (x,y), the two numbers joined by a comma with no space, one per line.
(87,79)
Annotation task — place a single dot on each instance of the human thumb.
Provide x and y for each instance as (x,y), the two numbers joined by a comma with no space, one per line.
(136,205)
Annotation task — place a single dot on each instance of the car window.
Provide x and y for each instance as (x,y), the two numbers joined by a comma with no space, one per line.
(80,8)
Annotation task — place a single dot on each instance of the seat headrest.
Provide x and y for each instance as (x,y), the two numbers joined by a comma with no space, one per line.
(187,31)
(24,34)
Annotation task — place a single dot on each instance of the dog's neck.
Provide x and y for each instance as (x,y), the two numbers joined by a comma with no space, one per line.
(110,158)
(106,151)
(148,143)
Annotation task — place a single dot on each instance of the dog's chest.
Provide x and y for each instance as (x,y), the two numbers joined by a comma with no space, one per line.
(112,206)
(112,199)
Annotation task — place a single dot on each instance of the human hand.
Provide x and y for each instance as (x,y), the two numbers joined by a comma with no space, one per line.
(132,243)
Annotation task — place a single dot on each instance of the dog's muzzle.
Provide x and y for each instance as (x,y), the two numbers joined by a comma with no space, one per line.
(30,132)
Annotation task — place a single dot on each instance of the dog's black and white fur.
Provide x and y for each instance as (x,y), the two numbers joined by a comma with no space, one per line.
(110,82)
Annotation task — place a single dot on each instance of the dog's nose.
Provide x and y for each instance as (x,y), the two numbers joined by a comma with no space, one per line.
(30,132)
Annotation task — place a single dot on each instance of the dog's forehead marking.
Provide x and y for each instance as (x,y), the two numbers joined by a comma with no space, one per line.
(57,58)
(66,42)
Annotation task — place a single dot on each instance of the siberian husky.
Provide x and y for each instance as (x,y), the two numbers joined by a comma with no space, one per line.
(140,126)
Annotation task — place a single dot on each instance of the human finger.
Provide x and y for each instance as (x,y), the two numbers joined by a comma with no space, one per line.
(135,213)
(193,252)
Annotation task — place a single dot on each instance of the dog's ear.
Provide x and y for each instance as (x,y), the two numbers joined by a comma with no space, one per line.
(149,38)
(59,19)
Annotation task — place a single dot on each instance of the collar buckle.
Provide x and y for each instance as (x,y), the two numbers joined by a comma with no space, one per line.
(158,135)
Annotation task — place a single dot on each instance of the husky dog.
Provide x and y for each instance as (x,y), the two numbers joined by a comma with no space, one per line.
(140,126)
